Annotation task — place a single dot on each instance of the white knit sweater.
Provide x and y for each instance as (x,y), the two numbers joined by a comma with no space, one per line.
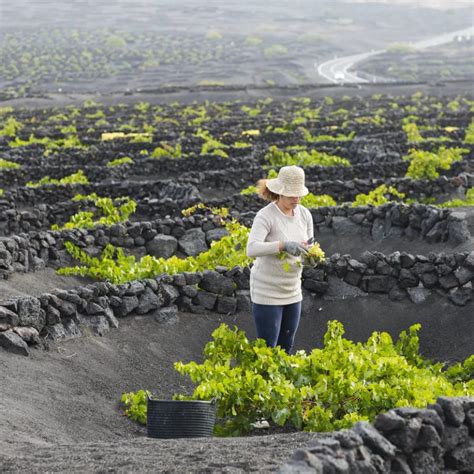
(269,282)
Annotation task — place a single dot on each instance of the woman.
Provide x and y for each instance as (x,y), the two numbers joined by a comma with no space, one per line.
(275,279)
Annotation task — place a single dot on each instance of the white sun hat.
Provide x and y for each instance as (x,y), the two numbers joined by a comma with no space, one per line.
(290,182)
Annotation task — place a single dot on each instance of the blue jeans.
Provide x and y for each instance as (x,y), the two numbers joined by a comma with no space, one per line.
(277,324)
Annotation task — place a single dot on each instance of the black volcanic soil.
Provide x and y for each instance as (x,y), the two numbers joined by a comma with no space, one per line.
(342,28)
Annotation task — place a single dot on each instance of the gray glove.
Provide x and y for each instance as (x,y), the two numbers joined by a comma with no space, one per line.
(294,248)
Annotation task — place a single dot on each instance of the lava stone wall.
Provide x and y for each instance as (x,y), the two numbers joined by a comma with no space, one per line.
(439,438)
(19,177)
(50,194)
(192,235)
(30,320)
(371,175)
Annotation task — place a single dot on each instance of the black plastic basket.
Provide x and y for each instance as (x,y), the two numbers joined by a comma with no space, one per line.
(180,418)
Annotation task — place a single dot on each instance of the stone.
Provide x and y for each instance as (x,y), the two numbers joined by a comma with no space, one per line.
(168,315)
(241,280)
(193,242)
(436,233)
(340,266)
(226,305)
(357,266)
(129,303)
(315,286)
(400,466)
(428,437)
(405,439)
(68,296)
(13,343)
(360,460)
(189,290)
(423,461)
(215,234)
(458,230)
(168,294)
(179,280)
(192,278)
(67,309)
(461,459)
(8,319)
(469,261)
(67,329)
(460,296)
(348,439)
(331,463)
(429,280)
(162,246)
(28,334)
(397,293)
(407,279)
(115,301)
(94,308)
(151,283)
(358,218)
(377,283)
(205,299)
(244,304)
(374,440)
(30,312)
(117,230)
(463,275)
(383,268)
(431,417)
(407,260)
(53,316)
(407,412)
(148,301)
(470,420)
(331,443)
(103,288)
(448,281)
(185,303)
(453,410)
(369,259)
(418,295)
(454,436)
(111,319)
(310,459)
(134,288)
(439,411)
(314,274)
(390,421)
(380,464)
(214,282)
(97,322)
(422,267)
(353,278)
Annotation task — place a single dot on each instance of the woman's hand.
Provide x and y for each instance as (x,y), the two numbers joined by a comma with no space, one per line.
(294,248)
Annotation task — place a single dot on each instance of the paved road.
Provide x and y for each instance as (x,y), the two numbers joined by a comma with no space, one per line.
(337,70)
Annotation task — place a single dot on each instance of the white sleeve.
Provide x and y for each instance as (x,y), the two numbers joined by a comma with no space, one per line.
(256,245)
(309,224)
